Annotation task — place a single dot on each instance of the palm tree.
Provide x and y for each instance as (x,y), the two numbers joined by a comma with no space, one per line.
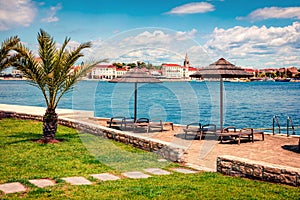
(52,73)
(6,58)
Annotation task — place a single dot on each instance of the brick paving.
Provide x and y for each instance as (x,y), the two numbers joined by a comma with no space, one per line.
(274,149)
(202,154)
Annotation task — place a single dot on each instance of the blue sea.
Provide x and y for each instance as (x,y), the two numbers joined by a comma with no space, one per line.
(250,104)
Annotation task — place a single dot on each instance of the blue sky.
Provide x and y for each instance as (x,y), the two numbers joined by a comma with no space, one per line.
(252,33)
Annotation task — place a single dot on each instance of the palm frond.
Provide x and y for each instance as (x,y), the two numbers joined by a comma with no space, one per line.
(52,73)
(68,59)
(75,76)
(30,67)
(6,57)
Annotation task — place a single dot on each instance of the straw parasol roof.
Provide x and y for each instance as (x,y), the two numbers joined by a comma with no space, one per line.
(222,68)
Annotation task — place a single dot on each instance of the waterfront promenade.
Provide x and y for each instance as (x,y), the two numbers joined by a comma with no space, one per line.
(199,154)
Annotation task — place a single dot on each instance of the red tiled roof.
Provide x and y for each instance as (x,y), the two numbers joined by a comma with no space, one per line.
(293,70)
(251,70)
(75,67)
(193,69)
(121,69)
(171,65)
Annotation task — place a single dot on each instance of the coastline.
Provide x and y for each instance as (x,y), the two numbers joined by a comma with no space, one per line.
(171,80)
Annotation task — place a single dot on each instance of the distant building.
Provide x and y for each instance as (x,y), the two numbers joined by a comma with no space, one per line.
(280,72)
(252,71)
(16,73)
(73,69)
(186,62)
(192,70)
(104,72)
(171,70)
(178,71)
(156,73)
(185,67)
(293,70)
(120,72)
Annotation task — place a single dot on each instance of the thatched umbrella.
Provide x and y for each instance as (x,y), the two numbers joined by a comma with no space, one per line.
(136,76)
(221,69)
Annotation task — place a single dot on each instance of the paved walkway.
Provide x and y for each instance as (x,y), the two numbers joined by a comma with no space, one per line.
(8,188)
(202,154)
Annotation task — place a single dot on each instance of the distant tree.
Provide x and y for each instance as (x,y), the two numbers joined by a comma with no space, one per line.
(52,73)
(6,56)
(141,64)
(261,74)
(131,65)
(278,74)
(271,74)
(289,74)
(118,65)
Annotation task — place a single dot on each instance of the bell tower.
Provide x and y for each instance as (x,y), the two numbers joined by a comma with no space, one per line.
(186,62)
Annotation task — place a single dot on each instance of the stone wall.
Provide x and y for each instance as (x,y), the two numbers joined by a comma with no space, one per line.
(167,150)
(235,166)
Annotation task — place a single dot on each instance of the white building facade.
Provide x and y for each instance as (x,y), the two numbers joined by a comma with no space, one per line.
(171,71)
(104,72)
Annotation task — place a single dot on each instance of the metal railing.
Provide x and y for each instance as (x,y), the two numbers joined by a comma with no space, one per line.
(275,120)
(289,122)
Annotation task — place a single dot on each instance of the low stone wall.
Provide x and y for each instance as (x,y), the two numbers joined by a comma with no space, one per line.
(167,150)
(235,166)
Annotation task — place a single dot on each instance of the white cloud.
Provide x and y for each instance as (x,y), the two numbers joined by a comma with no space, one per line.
(244,46)
(182,35)
(192,8)
(273,13)
(16,13)
(257,46)
(153,45)
(51,14)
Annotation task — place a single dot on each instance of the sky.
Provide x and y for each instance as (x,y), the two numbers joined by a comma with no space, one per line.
(247,33)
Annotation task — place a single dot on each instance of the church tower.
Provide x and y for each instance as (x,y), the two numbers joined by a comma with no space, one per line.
(186,62)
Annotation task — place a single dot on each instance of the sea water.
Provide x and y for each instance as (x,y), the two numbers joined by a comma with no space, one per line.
(245,104)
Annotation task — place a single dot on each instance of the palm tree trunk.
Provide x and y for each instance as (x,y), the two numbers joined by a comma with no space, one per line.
(50,121)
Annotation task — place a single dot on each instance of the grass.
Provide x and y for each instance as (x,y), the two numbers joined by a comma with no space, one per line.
(84,154)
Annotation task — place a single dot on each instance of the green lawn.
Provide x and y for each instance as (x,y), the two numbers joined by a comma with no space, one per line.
(84,154)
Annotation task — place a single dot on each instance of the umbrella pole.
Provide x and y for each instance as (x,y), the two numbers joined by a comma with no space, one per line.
(221,103)
(135,100)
